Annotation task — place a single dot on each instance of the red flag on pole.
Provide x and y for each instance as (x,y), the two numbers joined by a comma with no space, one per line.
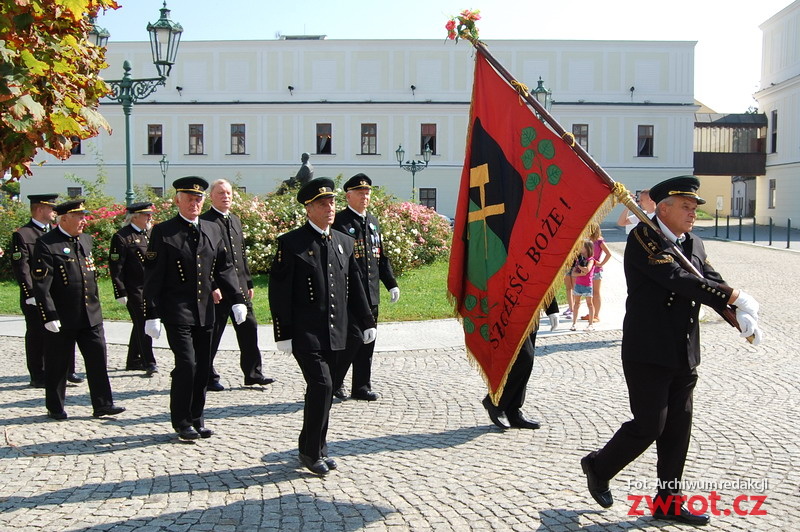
(525,201)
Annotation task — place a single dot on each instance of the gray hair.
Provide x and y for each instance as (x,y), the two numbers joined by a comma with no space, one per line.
(217,183)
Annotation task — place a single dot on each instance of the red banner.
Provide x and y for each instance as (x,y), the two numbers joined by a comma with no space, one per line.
(524,203)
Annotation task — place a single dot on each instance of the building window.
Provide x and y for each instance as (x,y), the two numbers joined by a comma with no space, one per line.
(773,186)
(644,144)
(74,192)
(195,139)
(427,197)
(154,139)
(369,139)
(581,134)
(428,138)
(76,145)
(774,133)
(237,139)
(157,191)
(324,139)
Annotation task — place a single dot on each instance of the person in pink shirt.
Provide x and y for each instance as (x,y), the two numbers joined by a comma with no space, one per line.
(582,274)
(601,255)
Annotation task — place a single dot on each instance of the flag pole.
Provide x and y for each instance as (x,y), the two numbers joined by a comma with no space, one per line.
(619,190)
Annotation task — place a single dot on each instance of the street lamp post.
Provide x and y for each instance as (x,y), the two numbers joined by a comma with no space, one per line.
(543,95)
(413,166)
(164,163)
(165,37)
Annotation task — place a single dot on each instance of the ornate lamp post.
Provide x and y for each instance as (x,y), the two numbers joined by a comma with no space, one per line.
(165,36)
(164,163)
(543,95)
(413,166)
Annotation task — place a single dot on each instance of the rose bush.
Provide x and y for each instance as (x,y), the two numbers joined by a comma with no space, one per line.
(413,234)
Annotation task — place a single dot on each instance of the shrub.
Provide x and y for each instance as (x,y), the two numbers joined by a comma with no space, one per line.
(413,235)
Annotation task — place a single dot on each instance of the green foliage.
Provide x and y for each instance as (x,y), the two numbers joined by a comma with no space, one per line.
(13,214)
(50,86)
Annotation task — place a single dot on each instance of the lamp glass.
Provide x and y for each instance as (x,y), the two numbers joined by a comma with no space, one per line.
(426,153)
(401,153)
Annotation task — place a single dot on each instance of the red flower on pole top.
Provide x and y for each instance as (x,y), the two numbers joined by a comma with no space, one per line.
(463,26)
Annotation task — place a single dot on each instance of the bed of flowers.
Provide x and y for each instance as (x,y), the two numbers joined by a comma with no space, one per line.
(413,234)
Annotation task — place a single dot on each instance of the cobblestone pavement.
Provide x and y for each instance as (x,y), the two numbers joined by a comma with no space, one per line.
(423,457)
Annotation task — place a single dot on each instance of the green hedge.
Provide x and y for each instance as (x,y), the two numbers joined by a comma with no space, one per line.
(413,234)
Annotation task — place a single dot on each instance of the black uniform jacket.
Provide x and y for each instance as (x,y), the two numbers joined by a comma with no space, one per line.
(178,281)
(65,280)
(22,244)
(661,315)
(235,246)
(126,264)
(309,307)
(368,250)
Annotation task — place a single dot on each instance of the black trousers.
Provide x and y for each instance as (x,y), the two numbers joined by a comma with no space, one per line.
(140,346)
(35,334)
(187,395)
(60,355)
(661,403)
(359,355)
(246,335)
(317,369)
(517,382)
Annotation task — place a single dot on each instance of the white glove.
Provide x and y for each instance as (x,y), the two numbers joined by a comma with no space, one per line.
(152,328)
(239,312)
(747,303)
(749,326)
(30,301)
(285,346)
(122,300)
(394,295)
(370,335)
(53,326)
(553,321)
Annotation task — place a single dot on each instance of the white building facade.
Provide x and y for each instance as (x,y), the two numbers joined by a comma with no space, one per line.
(778,192)
(246,110)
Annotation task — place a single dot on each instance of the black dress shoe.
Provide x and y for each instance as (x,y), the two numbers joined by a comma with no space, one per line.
(108,411)
(188,434)
(598,489)
(517,419)
(74,378)
(36,383)
(204,432)
(215,386)
(58,416)
(134,366)
(682,516)
(340,393)
(497,416)
(151,370)
(318,467)
(364,396)
(330,462)
(258,380)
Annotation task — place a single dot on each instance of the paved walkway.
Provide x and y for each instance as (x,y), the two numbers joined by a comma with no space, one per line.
(425,456)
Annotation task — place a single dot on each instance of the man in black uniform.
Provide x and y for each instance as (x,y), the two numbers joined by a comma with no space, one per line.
(185,256)
(65,287)
(374,266)
(507,413)
(126,265)
(314,292)
(230,225)
(661,346)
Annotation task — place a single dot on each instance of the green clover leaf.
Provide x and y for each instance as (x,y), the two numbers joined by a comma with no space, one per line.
(546,149)
(554,174)
(528,135)
(533,181)
(527,158)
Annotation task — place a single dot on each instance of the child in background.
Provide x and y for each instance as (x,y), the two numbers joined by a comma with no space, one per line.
(601,255)
(582,275)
